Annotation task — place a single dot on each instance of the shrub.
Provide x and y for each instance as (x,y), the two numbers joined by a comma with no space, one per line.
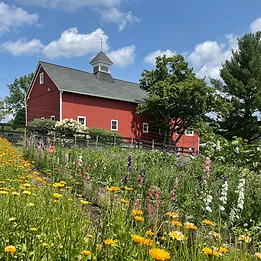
(42,123)
(104,135)
(70,125)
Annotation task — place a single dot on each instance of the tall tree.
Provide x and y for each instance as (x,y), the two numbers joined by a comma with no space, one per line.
(177,99)
(239,94)
(16,100)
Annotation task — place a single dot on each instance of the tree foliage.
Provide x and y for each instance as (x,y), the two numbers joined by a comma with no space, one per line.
(16,100)
(239,95)
(176,97)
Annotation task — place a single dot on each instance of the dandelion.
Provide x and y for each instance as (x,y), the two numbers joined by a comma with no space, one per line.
(113,189)
(159,254)
(190,226)
(178,235)
(86,252)
(10,249)
(210,251)
(208,222)
(110,241)
(57,195)
(138,218)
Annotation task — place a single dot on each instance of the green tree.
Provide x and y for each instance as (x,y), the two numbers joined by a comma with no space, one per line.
(239,94)
(177,99)
(16,100)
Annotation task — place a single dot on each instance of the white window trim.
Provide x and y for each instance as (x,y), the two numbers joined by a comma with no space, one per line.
(83,117)
(145,124)
(192,134)
(41,78)
(52,117)
(116,125)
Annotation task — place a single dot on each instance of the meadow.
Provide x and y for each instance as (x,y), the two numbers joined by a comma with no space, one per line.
(118,204)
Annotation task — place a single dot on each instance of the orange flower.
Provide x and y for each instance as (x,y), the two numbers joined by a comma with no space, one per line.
(190,226)
(159,254)
(173,214)
(110,241)
(138,218)
(86,252)
(208,222)
(176,223)
(113,189)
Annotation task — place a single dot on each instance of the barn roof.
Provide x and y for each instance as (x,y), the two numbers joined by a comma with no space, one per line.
(101,57)
(76,81)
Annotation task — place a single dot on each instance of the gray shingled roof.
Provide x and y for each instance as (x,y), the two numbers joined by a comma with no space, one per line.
(72,80)
(101,56)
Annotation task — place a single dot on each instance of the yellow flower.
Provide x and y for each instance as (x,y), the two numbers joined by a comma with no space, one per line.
(128,189)
(30,204)
(99,247)
(258,255)
(222,250)
(178,235)
(210,251)
(176,223)
(44,244)
(136,212)
(85,202)
(190,226)
(60,246)
(159,254)
(26,192)
(57,195)
(138,218)
(34,229)
(70,198)
(245,238)
(149,233)
(125,201)
(163,238)
(10,249)
(114,189)
(11,219)
(141,240)
(208,222)
(58,185)
(15,193)
(86,252)
(173,214)
(3,192)
(110,241)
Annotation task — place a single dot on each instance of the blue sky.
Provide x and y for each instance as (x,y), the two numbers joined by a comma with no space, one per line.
(134,32)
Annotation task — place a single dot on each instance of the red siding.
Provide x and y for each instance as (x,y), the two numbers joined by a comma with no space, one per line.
(99,112)
(44,99)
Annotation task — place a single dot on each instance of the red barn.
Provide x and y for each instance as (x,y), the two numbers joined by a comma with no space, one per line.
(96,100)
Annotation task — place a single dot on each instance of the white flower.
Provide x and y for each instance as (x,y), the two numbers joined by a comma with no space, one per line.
(221,208)
(208,209)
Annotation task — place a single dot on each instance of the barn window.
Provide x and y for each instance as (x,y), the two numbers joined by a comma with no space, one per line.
(53,117)
(189,132)
(41,78)
(82,120)
(145,127)
(114,125)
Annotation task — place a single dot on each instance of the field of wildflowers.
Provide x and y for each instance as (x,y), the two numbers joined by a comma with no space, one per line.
(116,204)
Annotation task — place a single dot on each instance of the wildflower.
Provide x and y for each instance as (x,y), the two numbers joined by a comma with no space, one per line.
(150,233)
(178,235)
(125,201)
(245,238)
(138,218)
(85,202)
(34,229)
(159,254)
(58,185)
(110,241)
(223,197)
(210,251)
(90,236)
(12,219)
(141,240)
(258,255)
(173,214)
(57,195)
(136,212)
(10,249)
(44,244)
(15,193)
(191,226)
(99,247)
(51,149)
(208,222)
(163,238)
(26,192)
(30,204)
(3,192)
(223,250)
(176,223)
(128,188)
(70,198)
(113,189)
(86,252)
(60,246)
(208,201)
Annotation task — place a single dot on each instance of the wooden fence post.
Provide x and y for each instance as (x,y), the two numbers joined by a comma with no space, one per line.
(75,139)
(152,145)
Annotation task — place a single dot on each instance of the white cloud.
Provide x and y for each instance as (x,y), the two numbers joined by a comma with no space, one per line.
(151,58)
(114,15)
(256,26)
(12,17)
(73,44)
(23,47)
(207,57)
(71,4)
(123,57)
